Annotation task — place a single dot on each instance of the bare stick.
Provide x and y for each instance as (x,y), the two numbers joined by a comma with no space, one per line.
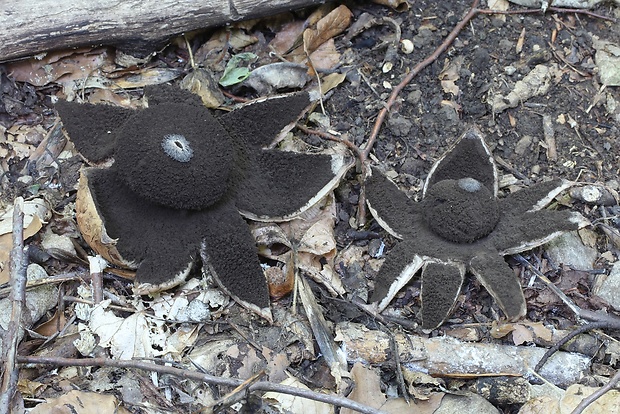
(18,265)
(197,376)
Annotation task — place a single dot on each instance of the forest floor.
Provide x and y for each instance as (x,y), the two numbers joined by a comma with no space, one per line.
(566,126)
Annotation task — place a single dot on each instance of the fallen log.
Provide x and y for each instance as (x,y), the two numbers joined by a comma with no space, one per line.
(29,27)
(444,356)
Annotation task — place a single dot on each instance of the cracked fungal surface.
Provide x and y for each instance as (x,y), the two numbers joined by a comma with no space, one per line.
(462,226)
(180,179)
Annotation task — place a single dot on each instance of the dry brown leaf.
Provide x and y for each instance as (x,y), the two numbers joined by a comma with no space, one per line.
(329,26)
(367,389)
(70,66)
(325,57)
(145,77)
(30,389)
(202,83)
(277,364)
(331,81)
(287,38)
(107,96)
(54,325)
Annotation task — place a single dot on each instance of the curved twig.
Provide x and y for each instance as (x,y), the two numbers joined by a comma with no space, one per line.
(597,394)
(567,338)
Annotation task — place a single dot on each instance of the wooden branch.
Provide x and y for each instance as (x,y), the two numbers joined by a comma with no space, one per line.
(29,27)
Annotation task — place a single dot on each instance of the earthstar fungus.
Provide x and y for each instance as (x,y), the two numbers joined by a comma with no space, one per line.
(177,178)
(462,226)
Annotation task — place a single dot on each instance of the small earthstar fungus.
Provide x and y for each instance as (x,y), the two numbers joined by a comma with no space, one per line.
(462,226)
(177,179)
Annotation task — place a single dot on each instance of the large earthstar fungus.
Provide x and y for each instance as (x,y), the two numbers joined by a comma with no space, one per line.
(172,182)
(461,226)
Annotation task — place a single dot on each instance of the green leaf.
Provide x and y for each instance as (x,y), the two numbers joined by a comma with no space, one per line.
(237,69)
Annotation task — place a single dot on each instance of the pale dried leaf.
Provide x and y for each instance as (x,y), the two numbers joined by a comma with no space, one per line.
(521,334)
(450,74)
(367,389)
(398,5)
(81,402)
(607,403)
(127,338)
(287,403)
(334,357)
(331,81)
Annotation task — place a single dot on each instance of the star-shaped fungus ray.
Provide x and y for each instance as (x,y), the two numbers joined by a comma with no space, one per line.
(461,226)
(180,176)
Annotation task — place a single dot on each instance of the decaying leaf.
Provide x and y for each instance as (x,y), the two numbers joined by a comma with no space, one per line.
(398,5)
(450,74)
(535,83)
(274,76)
(335,358)
(127,338)
(201,82)
(574,394)
(308,242)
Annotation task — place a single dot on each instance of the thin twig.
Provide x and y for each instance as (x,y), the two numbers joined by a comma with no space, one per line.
(571,305)
(609,319)
(18,266)
(330,137)
(197,376)
(567,338)
(597,394)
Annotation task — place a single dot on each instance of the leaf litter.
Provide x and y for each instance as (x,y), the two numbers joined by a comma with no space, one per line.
(171,325)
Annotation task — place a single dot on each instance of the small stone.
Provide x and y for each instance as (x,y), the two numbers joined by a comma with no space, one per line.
(523,144)
(406,46)
(608,286)
(414,97)
(376,248)
(469,403)
(399,126)
(569,250)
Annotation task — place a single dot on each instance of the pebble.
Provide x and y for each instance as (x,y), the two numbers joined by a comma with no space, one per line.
(608,286)
(468,403)
(569,250)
